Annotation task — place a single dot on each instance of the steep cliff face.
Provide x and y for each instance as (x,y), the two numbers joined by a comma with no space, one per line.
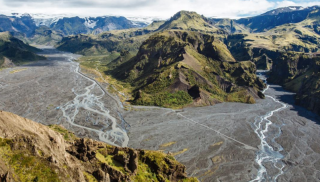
(177,68)
(308,95)
(299,73)
(33,152)
(288,65)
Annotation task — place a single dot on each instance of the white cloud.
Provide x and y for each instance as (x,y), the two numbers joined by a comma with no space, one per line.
(156,8)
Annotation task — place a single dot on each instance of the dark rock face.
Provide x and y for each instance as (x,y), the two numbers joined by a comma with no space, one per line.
(299,73)
(288,65)
(308,95)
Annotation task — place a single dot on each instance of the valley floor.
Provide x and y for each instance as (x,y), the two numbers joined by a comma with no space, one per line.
(216,143)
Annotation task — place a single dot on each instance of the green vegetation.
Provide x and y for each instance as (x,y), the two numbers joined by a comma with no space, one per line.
(26,166)
(158,159)
(67,135)
(166,99)
(109,159)
(89,177)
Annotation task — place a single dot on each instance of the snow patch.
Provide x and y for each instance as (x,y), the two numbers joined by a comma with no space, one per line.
(47,22)
(293,8)
(146,20)
(89,22)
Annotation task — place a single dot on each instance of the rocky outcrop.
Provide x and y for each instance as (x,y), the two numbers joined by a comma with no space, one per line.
(30,151)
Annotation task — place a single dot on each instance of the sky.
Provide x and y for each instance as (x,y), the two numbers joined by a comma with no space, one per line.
(162,9)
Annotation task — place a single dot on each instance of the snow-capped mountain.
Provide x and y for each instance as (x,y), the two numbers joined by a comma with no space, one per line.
(68,24)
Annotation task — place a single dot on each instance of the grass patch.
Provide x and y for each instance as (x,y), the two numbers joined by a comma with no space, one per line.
(26,167)
(89,177)
(109,159)
(67,135)
(144,173)
(165,99)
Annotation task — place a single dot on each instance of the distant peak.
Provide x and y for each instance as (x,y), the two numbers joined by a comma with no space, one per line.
(183,13)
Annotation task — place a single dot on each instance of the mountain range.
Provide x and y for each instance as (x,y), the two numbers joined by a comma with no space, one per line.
(52,29)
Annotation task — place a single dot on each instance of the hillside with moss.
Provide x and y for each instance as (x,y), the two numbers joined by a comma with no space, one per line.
(181,68)
(30,151)
(14,51)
